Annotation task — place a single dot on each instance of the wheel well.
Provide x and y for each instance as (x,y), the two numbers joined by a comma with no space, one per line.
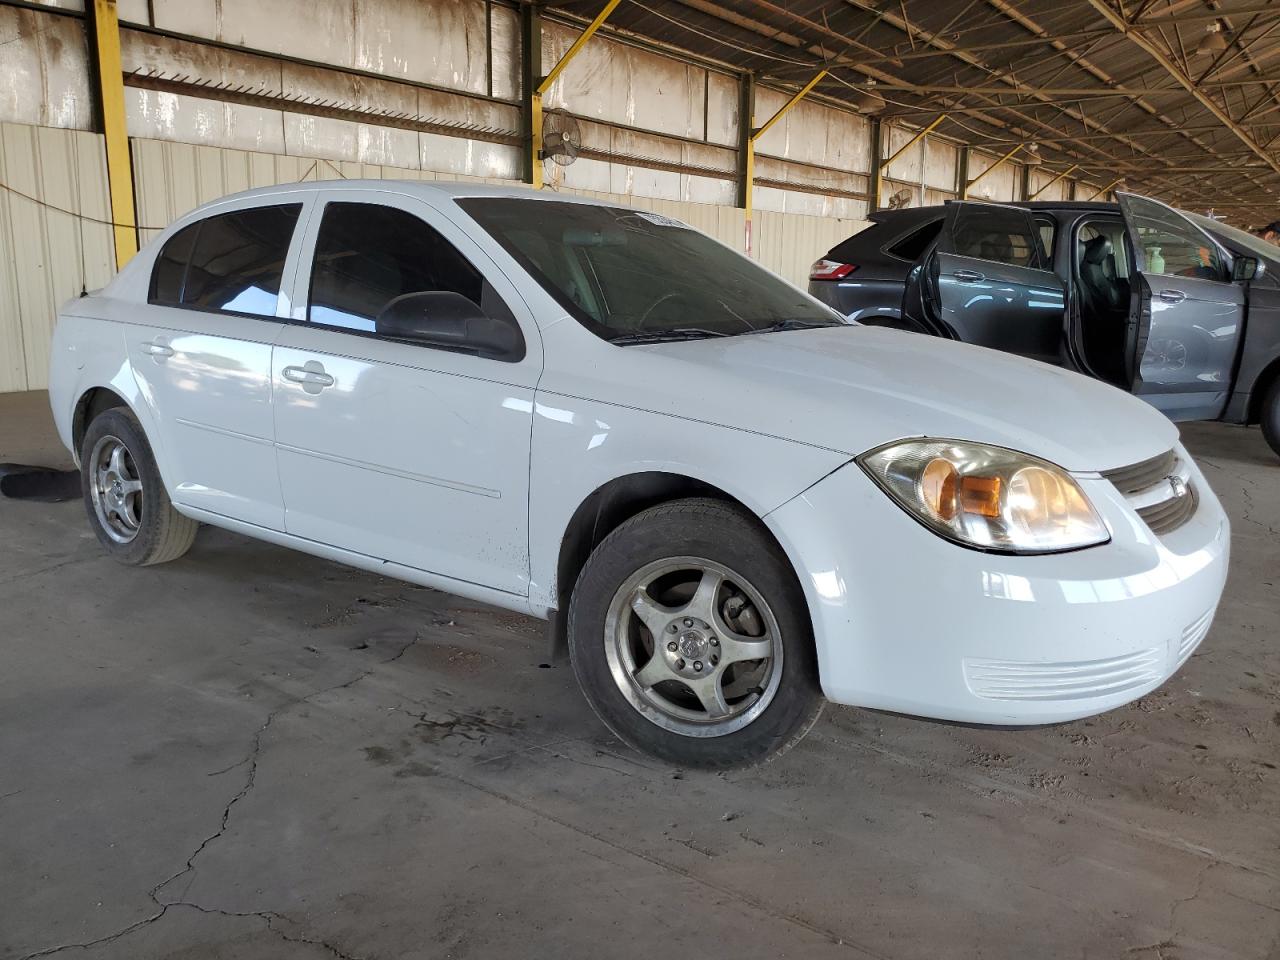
(600,514)
(88,407)
(1261,386)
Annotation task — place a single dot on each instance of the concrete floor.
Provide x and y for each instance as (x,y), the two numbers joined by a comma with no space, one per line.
(254,754)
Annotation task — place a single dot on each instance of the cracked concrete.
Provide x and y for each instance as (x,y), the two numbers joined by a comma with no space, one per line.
(253,754)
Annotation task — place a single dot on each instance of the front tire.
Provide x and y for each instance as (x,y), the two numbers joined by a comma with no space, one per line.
(689,635)
(1270,415)
(124,495)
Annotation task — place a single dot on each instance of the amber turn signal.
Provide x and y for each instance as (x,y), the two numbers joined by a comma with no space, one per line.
(980,495)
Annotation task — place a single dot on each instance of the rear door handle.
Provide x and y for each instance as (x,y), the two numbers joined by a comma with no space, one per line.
(968,276)
(1172,296)
(157,348)
(311,376)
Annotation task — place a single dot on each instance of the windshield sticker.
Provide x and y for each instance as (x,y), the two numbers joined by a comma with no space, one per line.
(660,220)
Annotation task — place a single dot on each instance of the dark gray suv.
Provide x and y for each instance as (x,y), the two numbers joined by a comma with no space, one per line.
(1176,308)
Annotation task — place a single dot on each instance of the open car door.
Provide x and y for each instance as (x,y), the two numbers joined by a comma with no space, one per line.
(1185,321)
(986,281)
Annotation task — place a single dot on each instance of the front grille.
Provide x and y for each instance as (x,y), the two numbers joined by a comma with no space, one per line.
(1068,680)
(1169,515)
(1138,477)
(1193,634)
(1159,490)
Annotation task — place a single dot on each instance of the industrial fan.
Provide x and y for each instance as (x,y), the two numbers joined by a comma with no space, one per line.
(561,138)
(900,199)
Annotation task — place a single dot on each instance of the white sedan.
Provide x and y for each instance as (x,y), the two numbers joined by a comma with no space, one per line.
(728,500)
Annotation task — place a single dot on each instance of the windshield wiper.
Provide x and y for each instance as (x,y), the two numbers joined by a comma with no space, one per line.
(781,325)
(664,336)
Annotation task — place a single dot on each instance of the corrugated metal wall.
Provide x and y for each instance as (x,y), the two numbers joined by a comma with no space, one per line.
(1001,184)
(41,261)
(1059,191)
(189,147)
(172,178)
(47,256)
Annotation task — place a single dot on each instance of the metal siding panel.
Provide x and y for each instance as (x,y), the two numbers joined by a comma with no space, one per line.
(44,70)
(59,248)
(13,368)
(22,169)
(999,185)
(940,161)
(94,200)
(49,255)
(615,82)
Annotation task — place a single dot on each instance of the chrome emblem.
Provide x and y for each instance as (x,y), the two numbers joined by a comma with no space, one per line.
(1178,486)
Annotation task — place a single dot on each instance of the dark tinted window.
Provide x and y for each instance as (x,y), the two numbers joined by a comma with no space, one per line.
(915,243)
(1047,227)
(995,233)
(368,255)
(171,266)
(238,260)
(868,242)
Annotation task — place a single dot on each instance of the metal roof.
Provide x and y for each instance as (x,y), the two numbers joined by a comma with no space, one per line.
(1136,93)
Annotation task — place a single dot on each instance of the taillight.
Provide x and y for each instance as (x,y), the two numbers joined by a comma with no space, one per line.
(830,270)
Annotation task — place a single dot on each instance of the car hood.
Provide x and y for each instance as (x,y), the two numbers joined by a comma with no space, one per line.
(853,388)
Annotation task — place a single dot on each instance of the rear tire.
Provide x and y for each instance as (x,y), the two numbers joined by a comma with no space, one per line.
(124,495)
(1269,415)
(690,637)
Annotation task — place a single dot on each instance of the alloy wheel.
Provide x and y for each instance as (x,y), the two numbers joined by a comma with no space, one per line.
(693,646)
(116,489)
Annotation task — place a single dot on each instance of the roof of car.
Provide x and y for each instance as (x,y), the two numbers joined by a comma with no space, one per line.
(438,189)
(1067,205)
(935,210)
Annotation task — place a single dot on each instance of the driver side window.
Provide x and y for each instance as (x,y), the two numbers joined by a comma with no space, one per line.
(368,255)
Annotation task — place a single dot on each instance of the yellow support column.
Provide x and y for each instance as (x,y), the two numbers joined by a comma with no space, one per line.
(535,144)
(104,39)
(747,148)
(540,89)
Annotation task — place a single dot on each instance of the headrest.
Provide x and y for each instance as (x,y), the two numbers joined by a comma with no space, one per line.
(1097,250)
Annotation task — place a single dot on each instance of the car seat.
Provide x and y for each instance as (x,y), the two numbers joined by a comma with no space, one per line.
(1104,308)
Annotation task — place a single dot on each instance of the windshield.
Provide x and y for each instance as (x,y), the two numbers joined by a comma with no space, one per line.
(636,276)
(1236,237)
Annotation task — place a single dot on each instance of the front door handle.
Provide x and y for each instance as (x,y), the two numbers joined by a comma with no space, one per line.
(1172,296)
(311,375)
(157,348)
(969,276)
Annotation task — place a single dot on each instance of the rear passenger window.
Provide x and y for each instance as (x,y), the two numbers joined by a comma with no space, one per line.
(368,255)
(230,262)
(999,234)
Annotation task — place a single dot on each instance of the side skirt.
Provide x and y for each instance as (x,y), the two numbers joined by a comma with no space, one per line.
(423,578)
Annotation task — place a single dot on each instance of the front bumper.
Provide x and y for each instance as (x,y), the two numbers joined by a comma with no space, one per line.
(906,621)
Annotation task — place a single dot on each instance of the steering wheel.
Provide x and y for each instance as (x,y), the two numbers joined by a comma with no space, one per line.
(670,295)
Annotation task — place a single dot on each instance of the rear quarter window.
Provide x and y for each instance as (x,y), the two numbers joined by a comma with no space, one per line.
(914,244)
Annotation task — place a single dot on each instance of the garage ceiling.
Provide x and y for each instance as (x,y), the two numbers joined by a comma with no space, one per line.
(1180,98)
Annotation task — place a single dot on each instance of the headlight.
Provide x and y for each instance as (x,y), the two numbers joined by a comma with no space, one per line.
(987,497)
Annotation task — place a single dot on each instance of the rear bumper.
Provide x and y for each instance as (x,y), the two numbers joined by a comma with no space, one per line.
(905,621)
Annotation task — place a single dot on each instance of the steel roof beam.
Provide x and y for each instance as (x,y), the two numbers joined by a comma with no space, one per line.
(1166,62)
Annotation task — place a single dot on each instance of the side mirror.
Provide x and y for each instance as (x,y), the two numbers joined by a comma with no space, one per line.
(449,320)
(1244,268)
